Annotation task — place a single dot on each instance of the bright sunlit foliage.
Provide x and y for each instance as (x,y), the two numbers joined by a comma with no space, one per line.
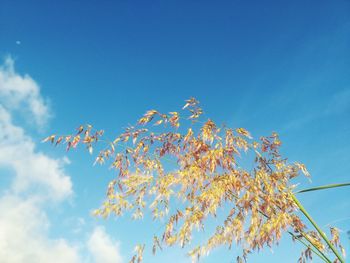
(199,165)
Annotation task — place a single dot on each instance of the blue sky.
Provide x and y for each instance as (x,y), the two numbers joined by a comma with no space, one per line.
(263,65)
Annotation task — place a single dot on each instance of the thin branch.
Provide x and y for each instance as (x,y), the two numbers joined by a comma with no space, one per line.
(322,234)
(322,187)
(314,249)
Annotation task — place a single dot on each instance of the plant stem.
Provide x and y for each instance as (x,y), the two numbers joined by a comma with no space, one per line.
(314,249)
(324,237)
(323,187)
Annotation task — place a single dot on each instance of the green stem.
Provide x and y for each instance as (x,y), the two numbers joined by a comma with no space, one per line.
(324,237)
(323,187)
(322,255)
(314,248)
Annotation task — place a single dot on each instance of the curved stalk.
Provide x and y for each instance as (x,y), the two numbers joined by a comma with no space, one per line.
(314,249)
(321,254)
(322,187)
(324,237)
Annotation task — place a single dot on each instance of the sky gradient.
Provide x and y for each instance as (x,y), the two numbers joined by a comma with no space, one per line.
(263,65)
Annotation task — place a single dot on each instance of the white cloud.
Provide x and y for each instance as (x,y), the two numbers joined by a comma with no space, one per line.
(22,92)
(32,168)
(24,234)
(17,150)
(102,248)
(24,223)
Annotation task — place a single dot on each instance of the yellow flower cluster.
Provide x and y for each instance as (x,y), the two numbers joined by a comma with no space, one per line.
(203,167)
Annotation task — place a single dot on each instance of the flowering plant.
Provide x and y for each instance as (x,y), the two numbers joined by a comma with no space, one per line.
(201,165)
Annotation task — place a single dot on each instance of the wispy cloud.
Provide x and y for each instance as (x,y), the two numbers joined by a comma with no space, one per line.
(339,103)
